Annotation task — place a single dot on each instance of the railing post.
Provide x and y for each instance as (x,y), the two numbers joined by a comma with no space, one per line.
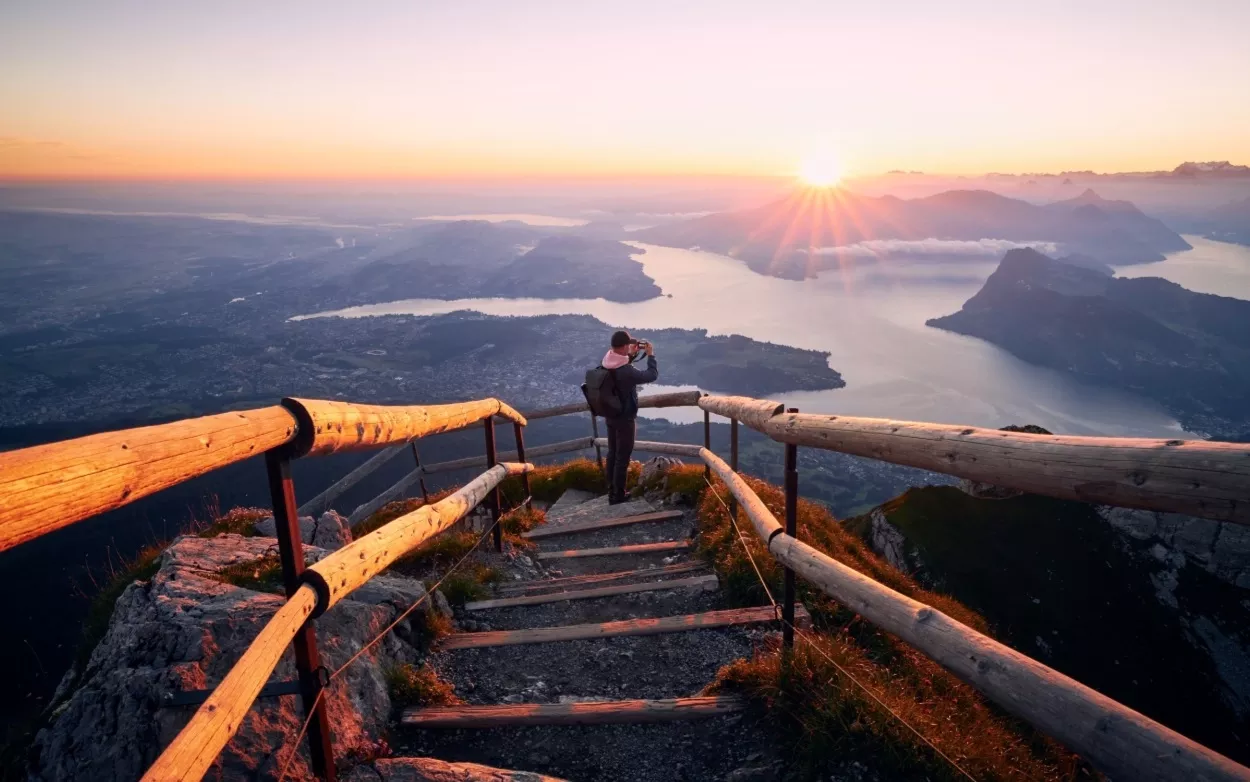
(518,433)
(707,442)
(733,463)
(594,428)
(492,501)
(416,457)
(792,508)
(307,658)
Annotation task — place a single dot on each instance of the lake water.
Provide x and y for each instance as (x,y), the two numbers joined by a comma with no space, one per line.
(528,219)
(871,321)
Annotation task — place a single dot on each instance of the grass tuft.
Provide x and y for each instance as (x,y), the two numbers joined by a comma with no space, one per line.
(413,686)
(471,582)
(240,521)
(263,574)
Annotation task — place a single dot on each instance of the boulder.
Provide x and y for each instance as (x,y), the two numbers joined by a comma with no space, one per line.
(183,630)
(655,468)
(433,770)
(329,532)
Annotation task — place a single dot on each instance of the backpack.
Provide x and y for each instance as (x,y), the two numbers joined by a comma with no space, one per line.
(602,393)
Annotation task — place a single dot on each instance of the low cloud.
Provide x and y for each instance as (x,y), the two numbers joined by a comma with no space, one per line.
(980,248)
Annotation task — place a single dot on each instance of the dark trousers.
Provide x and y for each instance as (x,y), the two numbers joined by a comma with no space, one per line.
(620,448)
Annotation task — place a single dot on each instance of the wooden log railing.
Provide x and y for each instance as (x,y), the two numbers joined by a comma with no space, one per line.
(47,487)
(197,745)
(1194,477)
(1123,743)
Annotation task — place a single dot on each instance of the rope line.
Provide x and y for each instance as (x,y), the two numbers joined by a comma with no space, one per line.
(312,710)
(811,642)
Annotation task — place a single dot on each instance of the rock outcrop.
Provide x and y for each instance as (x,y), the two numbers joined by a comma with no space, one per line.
(1221,548)
(183,630)
(433,770)
(329,532)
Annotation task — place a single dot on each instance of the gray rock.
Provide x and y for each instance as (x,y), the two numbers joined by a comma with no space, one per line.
(986,491)
(1220,548)
(329,532)
(183,630)
(655,468)
(769,773)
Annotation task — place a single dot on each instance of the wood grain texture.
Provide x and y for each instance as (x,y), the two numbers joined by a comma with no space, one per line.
(1194,477)
(762,519)
(625,627)
(637,548)
(1119,741)
(591,713)
(322,501)
(752,412)
(592,526)
(197,745)
(672,399)
(344,570)
(51,486)
(345,426)
(706,583)
(650,446)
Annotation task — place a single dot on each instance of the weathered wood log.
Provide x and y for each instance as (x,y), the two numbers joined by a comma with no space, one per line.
(621,628)
(566,446)
(1194,477)
(748,501)
(334,427)
(650,446)
(752,412)
(592,526)
(47,487)
(1116,739)
(708,583)
(671,399)
(344,570)
(637,548)
(322,501)
(435,770)
(197,745)
(590,713)
(537,585)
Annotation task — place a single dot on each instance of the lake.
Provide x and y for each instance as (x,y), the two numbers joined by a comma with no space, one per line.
(871,322)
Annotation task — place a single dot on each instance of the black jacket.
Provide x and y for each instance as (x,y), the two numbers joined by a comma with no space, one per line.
(628,378)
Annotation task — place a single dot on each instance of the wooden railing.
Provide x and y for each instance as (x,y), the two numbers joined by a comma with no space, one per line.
(47,487)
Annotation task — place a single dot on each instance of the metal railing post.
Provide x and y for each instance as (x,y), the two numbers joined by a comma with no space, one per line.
(707,442)
(518,433)
(792,507)
(733,463)
(416,457)
(594,428)
(492,501)
(307,658)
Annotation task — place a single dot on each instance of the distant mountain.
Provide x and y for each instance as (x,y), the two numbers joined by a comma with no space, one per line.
(1228,223)
(1217,168)
(815,229)
(1189,351)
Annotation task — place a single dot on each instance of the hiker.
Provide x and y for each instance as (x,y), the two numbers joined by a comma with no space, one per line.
(611,389)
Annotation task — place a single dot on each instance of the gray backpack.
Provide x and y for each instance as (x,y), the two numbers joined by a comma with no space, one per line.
(601,392)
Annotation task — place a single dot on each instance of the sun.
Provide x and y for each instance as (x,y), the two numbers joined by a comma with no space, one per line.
(820,171)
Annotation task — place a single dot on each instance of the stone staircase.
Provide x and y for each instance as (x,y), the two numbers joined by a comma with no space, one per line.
(594,670)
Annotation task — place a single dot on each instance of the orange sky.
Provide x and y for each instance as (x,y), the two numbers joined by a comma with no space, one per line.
(398,89)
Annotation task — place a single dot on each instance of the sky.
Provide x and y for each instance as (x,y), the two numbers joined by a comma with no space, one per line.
(421,89)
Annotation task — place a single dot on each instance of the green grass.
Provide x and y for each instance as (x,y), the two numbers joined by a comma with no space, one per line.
(239,521)
(413,686)
(820,714)
(471,582)
(263,574)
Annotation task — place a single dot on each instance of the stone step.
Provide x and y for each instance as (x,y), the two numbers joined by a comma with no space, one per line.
(701,583)
(570,499)
(611,551)
(594,525)
(599,579)
(583,713)
(596,509)
(628,627)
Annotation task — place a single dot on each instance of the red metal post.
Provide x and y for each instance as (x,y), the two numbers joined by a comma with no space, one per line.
(416,456)
(492,501)
(518,433)
(792,507)
(307,658)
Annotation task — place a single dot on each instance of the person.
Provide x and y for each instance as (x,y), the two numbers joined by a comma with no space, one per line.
(621,429)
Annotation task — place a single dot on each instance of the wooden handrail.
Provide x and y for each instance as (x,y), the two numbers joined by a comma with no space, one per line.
(564,446)
(198,744)
(336,427)
(1194,477)
(1118,740)
(670,399)
(46,487)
